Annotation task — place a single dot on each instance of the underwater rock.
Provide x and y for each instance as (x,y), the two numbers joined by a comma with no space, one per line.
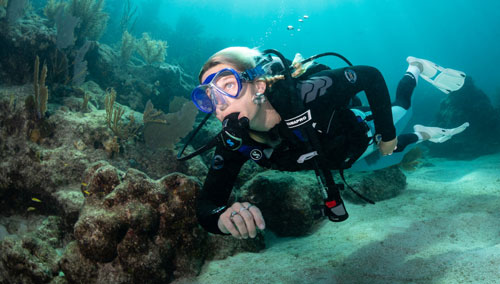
(20,43)
(219,247)
(135,229)
(139,224)
(287,200)
(290,202)
(377,185)
(157,163)
(50,231)
(482,137)
(247,172)
(71,202)
(77,268)
(32,258)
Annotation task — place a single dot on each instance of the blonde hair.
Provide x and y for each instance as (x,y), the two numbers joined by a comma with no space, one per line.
(241,58)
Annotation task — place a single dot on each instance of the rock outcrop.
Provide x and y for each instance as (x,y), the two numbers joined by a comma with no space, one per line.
(469,104)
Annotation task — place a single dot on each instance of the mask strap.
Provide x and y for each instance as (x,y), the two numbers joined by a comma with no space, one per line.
(251,74)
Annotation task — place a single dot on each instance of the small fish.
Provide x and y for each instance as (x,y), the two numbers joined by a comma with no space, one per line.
(300,20)
(306,17)
(86,192)
(65,164)
(84,184)
(36,199)
(290,28)
(31,209)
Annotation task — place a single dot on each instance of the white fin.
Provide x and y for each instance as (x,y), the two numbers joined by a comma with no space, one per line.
(445,79)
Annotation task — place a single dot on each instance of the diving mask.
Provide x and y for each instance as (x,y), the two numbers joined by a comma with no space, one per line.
(215,90)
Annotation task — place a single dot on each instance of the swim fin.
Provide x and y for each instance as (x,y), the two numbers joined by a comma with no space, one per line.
(440,135)
(445,79)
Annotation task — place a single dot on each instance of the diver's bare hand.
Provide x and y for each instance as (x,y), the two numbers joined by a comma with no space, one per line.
(241,220)
(387,147)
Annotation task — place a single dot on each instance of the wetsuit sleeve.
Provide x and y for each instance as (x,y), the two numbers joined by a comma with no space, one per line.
(344,85)
(217,188)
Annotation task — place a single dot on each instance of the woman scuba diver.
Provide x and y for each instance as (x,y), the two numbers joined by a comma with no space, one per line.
(300,115)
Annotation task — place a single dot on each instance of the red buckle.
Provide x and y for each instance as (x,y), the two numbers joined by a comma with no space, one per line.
(331,204)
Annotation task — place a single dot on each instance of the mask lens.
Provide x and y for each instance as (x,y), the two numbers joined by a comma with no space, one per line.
(227,83)
(202,100)
(215,88)
(218,98)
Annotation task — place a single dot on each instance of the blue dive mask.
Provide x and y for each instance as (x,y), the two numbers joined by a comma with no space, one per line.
(217,87)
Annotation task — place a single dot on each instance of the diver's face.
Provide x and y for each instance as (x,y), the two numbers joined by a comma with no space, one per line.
(242,104)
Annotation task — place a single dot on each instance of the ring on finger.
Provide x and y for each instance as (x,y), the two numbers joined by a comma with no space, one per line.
(234,213)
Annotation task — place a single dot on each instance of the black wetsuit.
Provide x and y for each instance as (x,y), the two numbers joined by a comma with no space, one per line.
(327,94)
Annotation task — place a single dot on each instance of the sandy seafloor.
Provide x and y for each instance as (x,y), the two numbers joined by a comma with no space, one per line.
(444,228)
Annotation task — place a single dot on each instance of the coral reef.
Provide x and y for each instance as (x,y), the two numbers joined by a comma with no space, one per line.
(41,91)
(41,159)
(65,24)
(51,168)
(114,115)
(165,130)
(80,65)
(137,83)
(135,229)
(93,18)
(34,257)
(47,142)
(85,17)
(128,46)
(15,10)
(19,43)
(52,9)
(129,17)
(36,160)
(151,50)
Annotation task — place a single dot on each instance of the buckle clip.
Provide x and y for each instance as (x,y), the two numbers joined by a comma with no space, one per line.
(306,156)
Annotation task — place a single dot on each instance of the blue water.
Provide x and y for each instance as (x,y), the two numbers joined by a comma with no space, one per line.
(462,34)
